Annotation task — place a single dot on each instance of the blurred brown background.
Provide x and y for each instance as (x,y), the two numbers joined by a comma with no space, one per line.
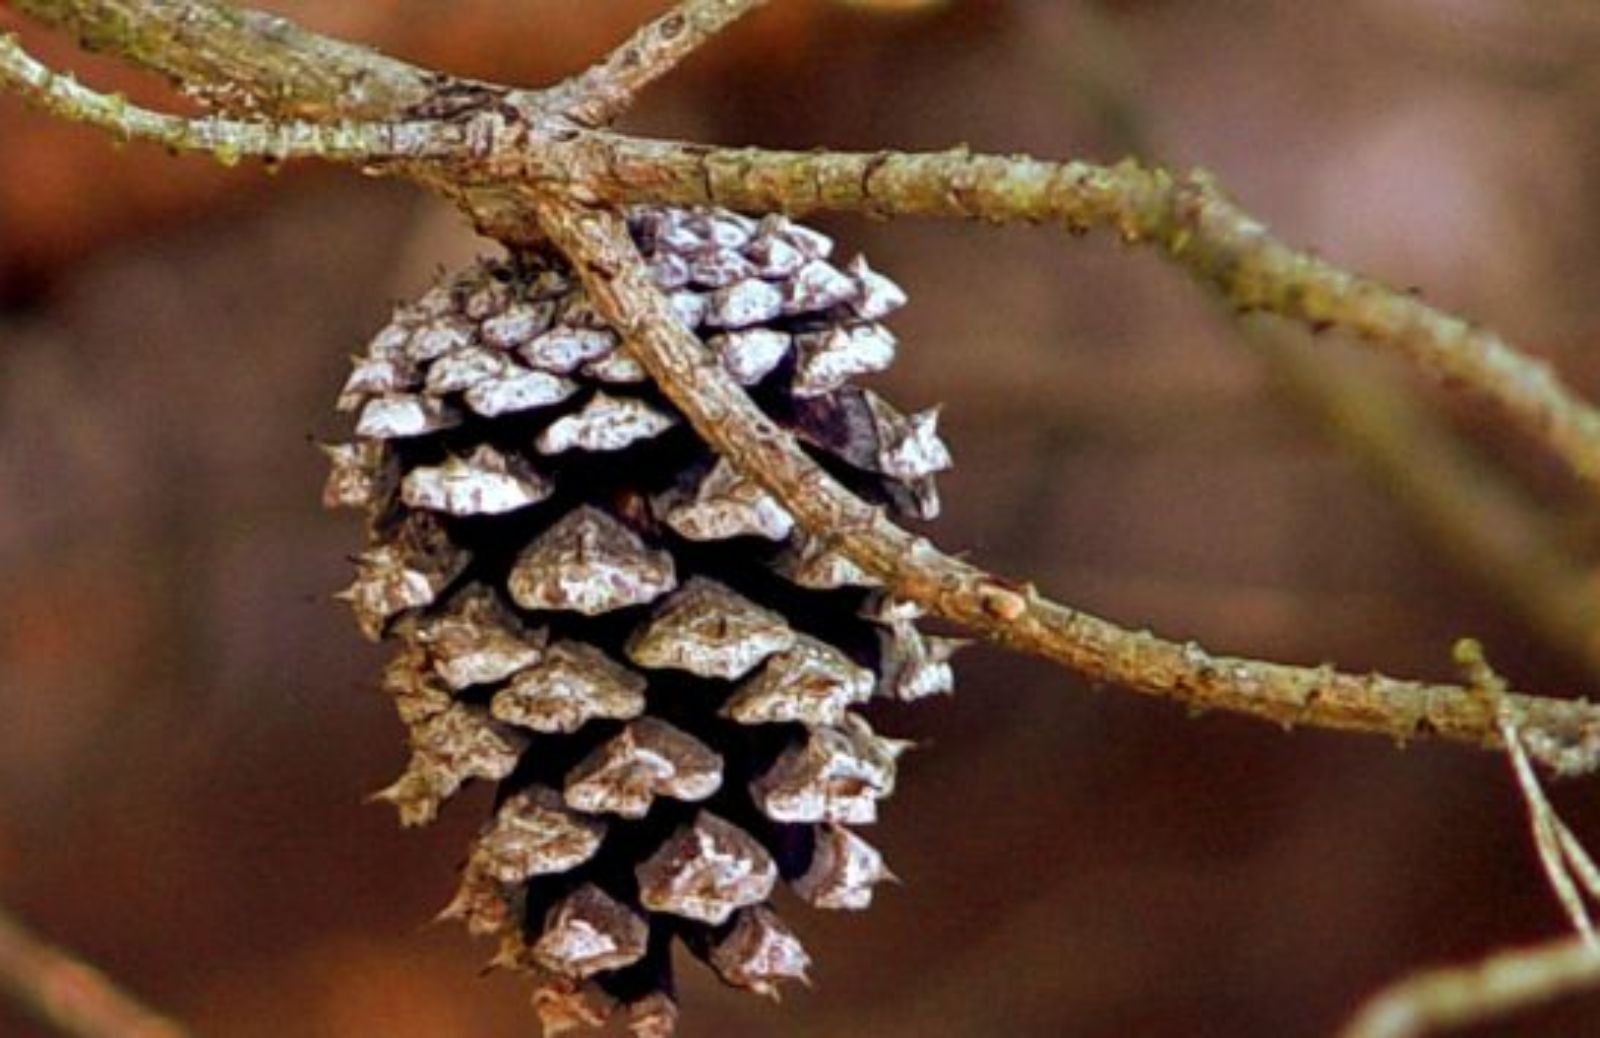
(188,724)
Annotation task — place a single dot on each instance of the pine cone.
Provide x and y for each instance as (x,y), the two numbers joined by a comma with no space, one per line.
(660,670)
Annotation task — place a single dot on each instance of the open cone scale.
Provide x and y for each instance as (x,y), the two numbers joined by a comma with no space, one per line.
(660,671)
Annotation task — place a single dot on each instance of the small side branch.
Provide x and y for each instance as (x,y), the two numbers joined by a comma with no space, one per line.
(1514,980)
(1476,994)
(240,60)
(1187,217)
(226,140)
(70,995)
(1567,865)
(1562,734)
(604,92)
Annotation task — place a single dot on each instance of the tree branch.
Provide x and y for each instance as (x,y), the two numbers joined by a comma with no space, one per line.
(1563,734)
(1567,865)
(293,71)
(70,995)
(1460,996)
(508,165)
(226,140)
(604,92)
(242,60)
(1186,216)
(1465,506)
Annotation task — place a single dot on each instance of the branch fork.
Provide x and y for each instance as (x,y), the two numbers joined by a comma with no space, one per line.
(528,165)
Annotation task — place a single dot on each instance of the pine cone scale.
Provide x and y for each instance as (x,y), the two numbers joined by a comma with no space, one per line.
(637,643)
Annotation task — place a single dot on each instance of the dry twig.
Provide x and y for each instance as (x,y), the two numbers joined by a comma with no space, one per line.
(1567,866)
(1469,510)
(69,995)
(227,140)
(242,60)
(1512,980)
(605,91)
(1498,986)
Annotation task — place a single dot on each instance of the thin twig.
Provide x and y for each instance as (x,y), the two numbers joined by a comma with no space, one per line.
(1459,996)
(1516,979)
(605,91)
(226,140)
(69,994)
(1466,507)
(1563,734)
(1568,874)
(1547,830)
(1578,859)
(243,61)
